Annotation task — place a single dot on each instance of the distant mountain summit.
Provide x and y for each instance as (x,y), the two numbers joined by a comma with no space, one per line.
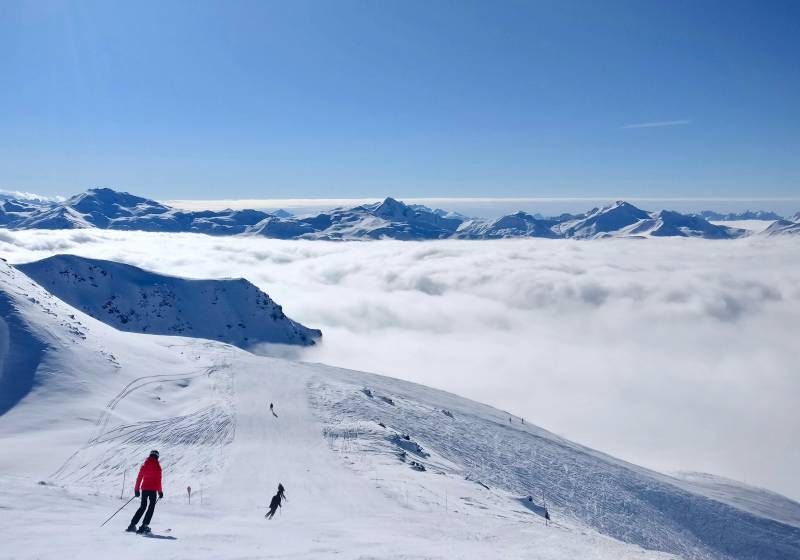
(600,222)
(135,300)
(110,209)
(783,227)
(388,219)
(667,223)
(736,216)
(520,224)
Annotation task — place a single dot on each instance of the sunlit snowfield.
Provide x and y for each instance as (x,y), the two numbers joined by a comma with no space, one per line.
(676,354)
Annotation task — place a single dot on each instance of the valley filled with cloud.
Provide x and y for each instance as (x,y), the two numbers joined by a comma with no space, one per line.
(677,354)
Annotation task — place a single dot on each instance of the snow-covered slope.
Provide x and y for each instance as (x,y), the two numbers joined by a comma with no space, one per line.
(388,219)
(783,227)
(56,217)
(520,224)
(749,498)
(625,220)
(110,209)
(374,467)
(132,299)
(667,223)
(602,221)
(13,211)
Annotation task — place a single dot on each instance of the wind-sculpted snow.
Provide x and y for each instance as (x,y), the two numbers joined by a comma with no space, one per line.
(494,449)
(132,299)
(389,219)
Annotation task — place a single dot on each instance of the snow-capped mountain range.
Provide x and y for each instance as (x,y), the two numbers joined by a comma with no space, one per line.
(389,219)
(373,466)
(738,216)
(131,299)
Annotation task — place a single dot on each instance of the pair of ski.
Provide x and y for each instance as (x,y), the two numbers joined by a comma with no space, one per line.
(151,535)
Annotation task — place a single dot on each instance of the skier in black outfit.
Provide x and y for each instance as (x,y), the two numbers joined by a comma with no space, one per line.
(275,502)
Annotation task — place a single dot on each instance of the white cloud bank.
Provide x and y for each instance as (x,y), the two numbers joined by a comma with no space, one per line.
(29,196)
(674,353)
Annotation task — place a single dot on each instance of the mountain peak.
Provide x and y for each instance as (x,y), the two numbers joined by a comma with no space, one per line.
(623,205)
(111,196)
(390,202)
(391,209)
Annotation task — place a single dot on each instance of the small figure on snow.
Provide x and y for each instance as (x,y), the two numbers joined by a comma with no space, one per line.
(149,483)
(272,410)
(275,502)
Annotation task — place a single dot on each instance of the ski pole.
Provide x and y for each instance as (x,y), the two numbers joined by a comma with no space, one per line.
(119,510)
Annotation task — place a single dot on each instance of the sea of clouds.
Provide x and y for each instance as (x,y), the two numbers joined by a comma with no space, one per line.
(677,354)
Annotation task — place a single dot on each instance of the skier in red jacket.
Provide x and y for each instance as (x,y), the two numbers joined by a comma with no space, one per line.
(149,482)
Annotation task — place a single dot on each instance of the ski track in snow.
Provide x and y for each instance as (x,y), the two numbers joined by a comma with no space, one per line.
(445,478)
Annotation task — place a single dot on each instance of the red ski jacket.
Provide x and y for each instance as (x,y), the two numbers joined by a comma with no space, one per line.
(149,475)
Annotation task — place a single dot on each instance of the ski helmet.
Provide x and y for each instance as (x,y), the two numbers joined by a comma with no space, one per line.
(154,453)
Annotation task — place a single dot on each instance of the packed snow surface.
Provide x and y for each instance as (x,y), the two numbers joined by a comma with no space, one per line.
(373,467)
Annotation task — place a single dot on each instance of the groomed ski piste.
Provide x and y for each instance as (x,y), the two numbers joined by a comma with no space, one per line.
(373,467)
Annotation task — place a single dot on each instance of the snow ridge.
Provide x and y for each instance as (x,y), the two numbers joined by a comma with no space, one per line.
(134,300)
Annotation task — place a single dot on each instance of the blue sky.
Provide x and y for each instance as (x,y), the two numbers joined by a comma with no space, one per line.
(417,99)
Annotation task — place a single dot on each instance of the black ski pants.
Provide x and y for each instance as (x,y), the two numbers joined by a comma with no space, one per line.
(147,496)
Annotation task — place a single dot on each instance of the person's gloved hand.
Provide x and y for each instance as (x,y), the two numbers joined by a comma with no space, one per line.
(160,494)
(136,493)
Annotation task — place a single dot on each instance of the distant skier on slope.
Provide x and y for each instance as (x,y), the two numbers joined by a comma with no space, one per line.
(272,410)
(275,502)
(149,482)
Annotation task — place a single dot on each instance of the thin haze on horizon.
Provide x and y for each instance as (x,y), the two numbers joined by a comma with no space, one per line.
(351,99)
